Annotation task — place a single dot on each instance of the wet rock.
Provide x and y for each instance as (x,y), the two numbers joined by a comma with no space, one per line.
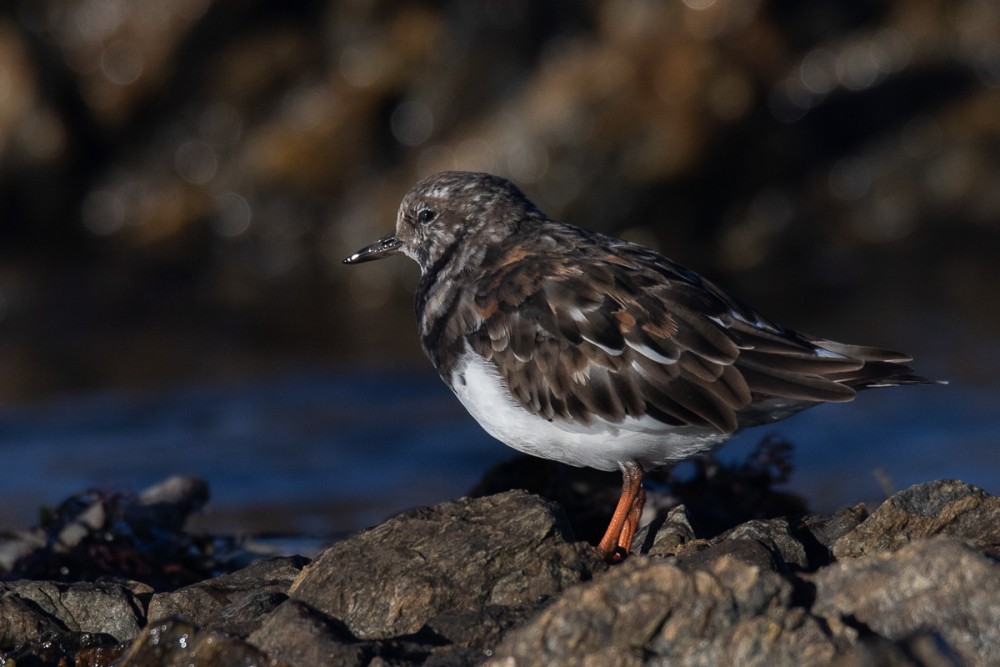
(941,507)
(727,613)
(180,643)
(235,603)
(938,585)
(97,608)
(99,533)
(512,549)
(65,648)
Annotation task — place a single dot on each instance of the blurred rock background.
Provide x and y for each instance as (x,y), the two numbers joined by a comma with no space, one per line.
(179,180)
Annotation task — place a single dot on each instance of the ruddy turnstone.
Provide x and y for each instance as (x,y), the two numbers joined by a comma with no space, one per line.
(579,347)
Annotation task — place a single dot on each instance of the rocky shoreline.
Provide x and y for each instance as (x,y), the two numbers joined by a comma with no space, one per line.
(502,580)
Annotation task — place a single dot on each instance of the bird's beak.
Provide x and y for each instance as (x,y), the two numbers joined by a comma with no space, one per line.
(385,246)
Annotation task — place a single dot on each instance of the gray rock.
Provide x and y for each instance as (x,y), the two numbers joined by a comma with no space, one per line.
(301,635)
(769,544)
(179,643)
(99,608)
(825,531)
(774,544)
(703,554)
(482,627)
(938,585)
(922,650)
(499,579)
(511,549)
(942,507)
(298,634)
(235,603)
(22,621)
(665,534)
(775,536)
(245,614)
(650,611)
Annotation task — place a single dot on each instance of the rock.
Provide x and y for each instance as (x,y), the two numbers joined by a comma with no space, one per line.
(942,507)
(499,580)
(938,585)
(665,534)
(475,628)
(303,636)
(921,650)
(167,505)
(100,533)
(22,621)
(179,643)
(779,543)
(702,554)
(718,496)
(97,608)
(769,544)
(235,603)
(298,634)
(825,531)
(65,648)
(727,613)
(774,535)
(512,550)
(587,496)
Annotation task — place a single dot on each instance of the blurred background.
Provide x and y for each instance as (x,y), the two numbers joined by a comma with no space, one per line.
(180,180)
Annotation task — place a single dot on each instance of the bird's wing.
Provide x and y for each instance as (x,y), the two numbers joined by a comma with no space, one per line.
(631,334)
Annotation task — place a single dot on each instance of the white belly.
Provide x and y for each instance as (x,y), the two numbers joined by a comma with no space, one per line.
(602,445)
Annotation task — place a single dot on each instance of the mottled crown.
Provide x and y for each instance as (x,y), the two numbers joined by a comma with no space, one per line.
(443,211)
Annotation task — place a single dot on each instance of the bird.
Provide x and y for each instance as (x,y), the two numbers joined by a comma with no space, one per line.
(571,345)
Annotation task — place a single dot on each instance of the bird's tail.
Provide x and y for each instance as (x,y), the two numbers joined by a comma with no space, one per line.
(881,368)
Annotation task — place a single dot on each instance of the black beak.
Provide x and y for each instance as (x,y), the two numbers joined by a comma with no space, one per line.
(385,246)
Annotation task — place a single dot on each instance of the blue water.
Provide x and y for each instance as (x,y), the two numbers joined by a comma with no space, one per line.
(324,453)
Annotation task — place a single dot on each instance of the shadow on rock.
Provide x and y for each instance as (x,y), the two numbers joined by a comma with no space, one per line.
(718,496)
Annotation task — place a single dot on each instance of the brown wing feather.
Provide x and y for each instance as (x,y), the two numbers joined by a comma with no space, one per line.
(635,335)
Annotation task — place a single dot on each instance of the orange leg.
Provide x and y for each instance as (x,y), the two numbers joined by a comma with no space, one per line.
(617,539)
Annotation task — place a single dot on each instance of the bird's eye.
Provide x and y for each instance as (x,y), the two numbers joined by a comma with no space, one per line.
(425,215)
